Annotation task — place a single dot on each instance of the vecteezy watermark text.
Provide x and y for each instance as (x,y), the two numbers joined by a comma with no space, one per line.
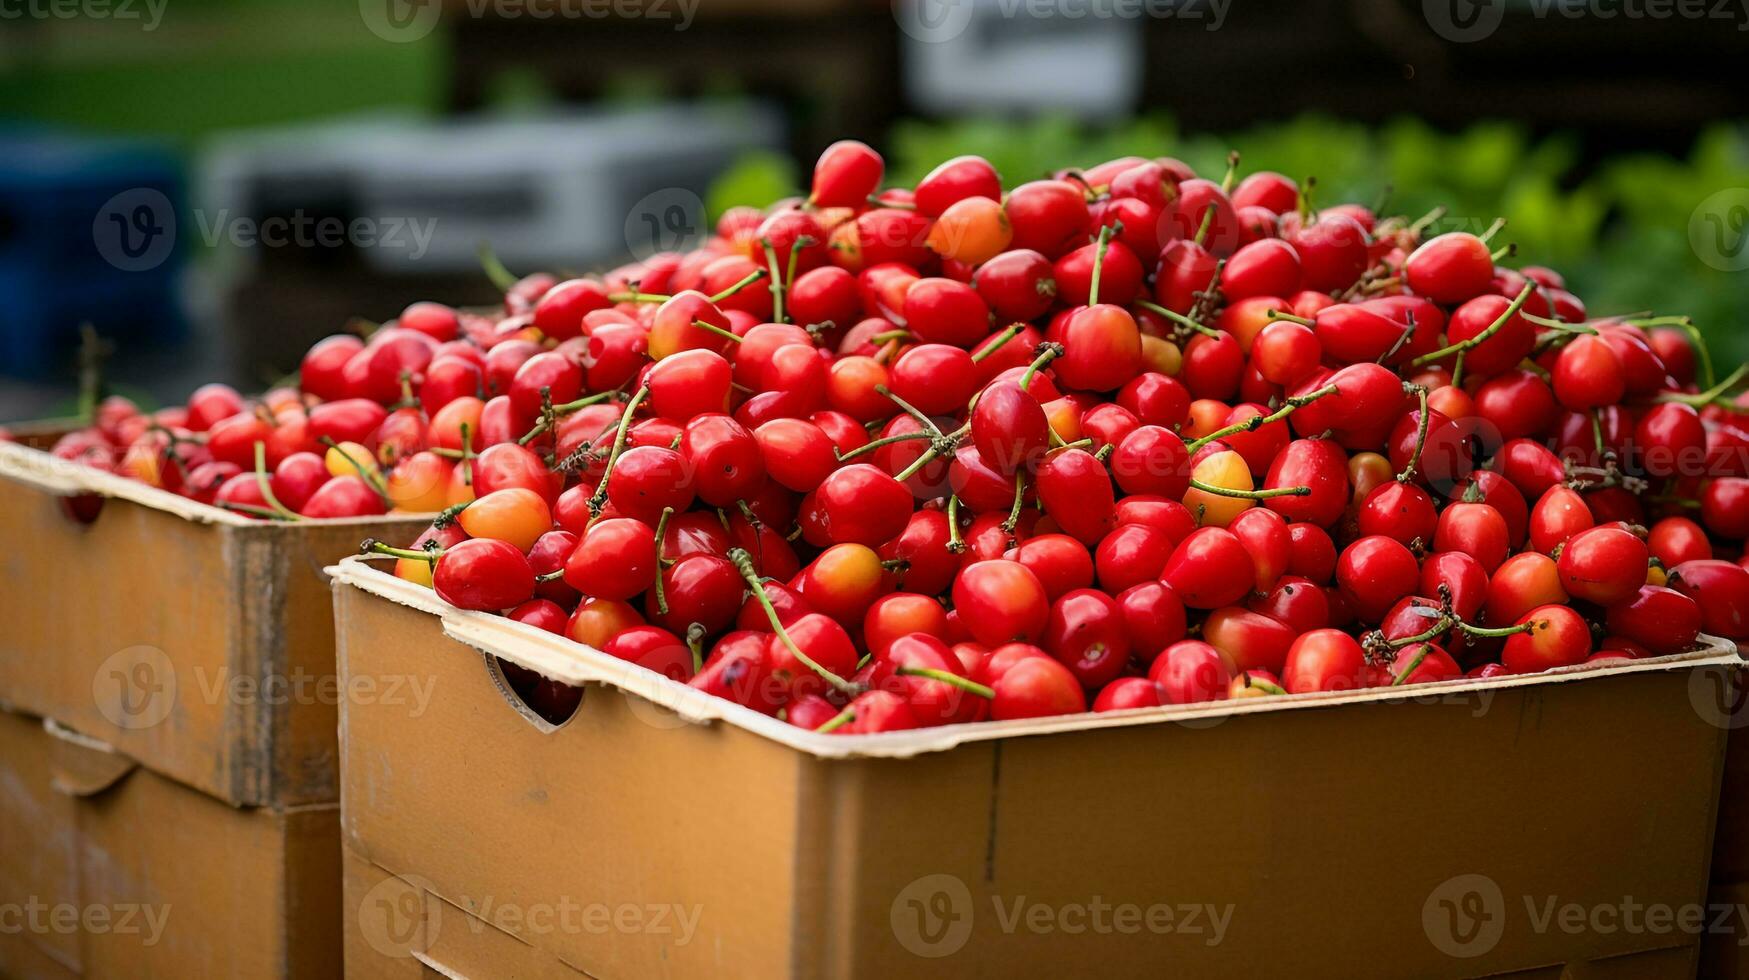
(149,13)
(137,229)
(933,916)
(403,21)
(35,915)
(1466,916)
(1462,21)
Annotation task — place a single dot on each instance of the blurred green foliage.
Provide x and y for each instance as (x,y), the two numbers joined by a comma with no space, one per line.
(1617,228)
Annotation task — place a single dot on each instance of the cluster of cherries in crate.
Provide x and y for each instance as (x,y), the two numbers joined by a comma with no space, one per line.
(1125,437)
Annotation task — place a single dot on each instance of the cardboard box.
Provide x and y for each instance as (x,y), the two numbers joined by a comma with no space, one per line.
(194,640)
(109,869)
(1506,827)
(1726,952)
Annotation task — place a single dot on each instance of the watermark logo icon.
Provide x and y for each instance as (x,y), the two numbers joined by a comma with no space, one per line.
(1463,21)
(933,21)
(135,688)
(394,918)
(1465,916)
(669,220)
(932,916)
(1718,697)
(400,21)
(135,230)
(1718,230)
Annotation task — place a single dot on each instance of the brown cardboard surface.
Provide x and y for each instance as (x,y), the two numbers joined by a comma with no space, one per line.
(160,880)
(1344,835)
(194,640)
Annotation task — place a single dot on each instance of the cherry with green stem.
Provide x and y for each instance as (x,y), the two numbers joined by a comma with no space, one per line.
(743,563)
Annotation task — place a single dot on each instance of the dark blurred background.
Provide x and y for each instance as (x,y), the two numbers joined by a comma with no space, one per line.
(214,184)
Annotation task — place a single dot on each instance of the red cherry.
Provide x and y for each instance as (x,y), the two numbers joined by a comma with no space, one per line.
(846,175)
(1210,569)
(483,574)
(861,504)
(1323,660)
(1604,565)
(1047,216)
(1001,601)
(1450,268)
(1075,489)
(1662,620)
(1722,590)
(1373,573)
(1588,374)
(1191,672)
(1558,638)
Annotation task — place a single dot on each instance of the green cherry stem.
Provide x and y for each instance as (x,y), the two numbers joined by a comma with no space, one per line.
(372,546)
(599,499)
(1300,491)
(709,327)
(1414,665)
(777,284)
(948,678)
(1001,339)
(1702,398)
(1256,422)
(1420,433)
(661,534)
(501,278)
(1476,341)
(1013,520)
(266,486)
(838,721)
(636,297)
(743,563)
(879,443)
(1099,263)
(1045,354)
(752,277)
(1179,318)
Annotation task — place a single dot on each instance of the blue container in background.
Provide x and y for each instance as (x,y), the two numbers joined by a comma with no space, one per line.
(88,234)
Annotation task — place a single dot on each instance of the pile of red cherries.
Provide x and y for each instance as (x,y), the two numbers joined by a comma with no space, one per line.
(888,458)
